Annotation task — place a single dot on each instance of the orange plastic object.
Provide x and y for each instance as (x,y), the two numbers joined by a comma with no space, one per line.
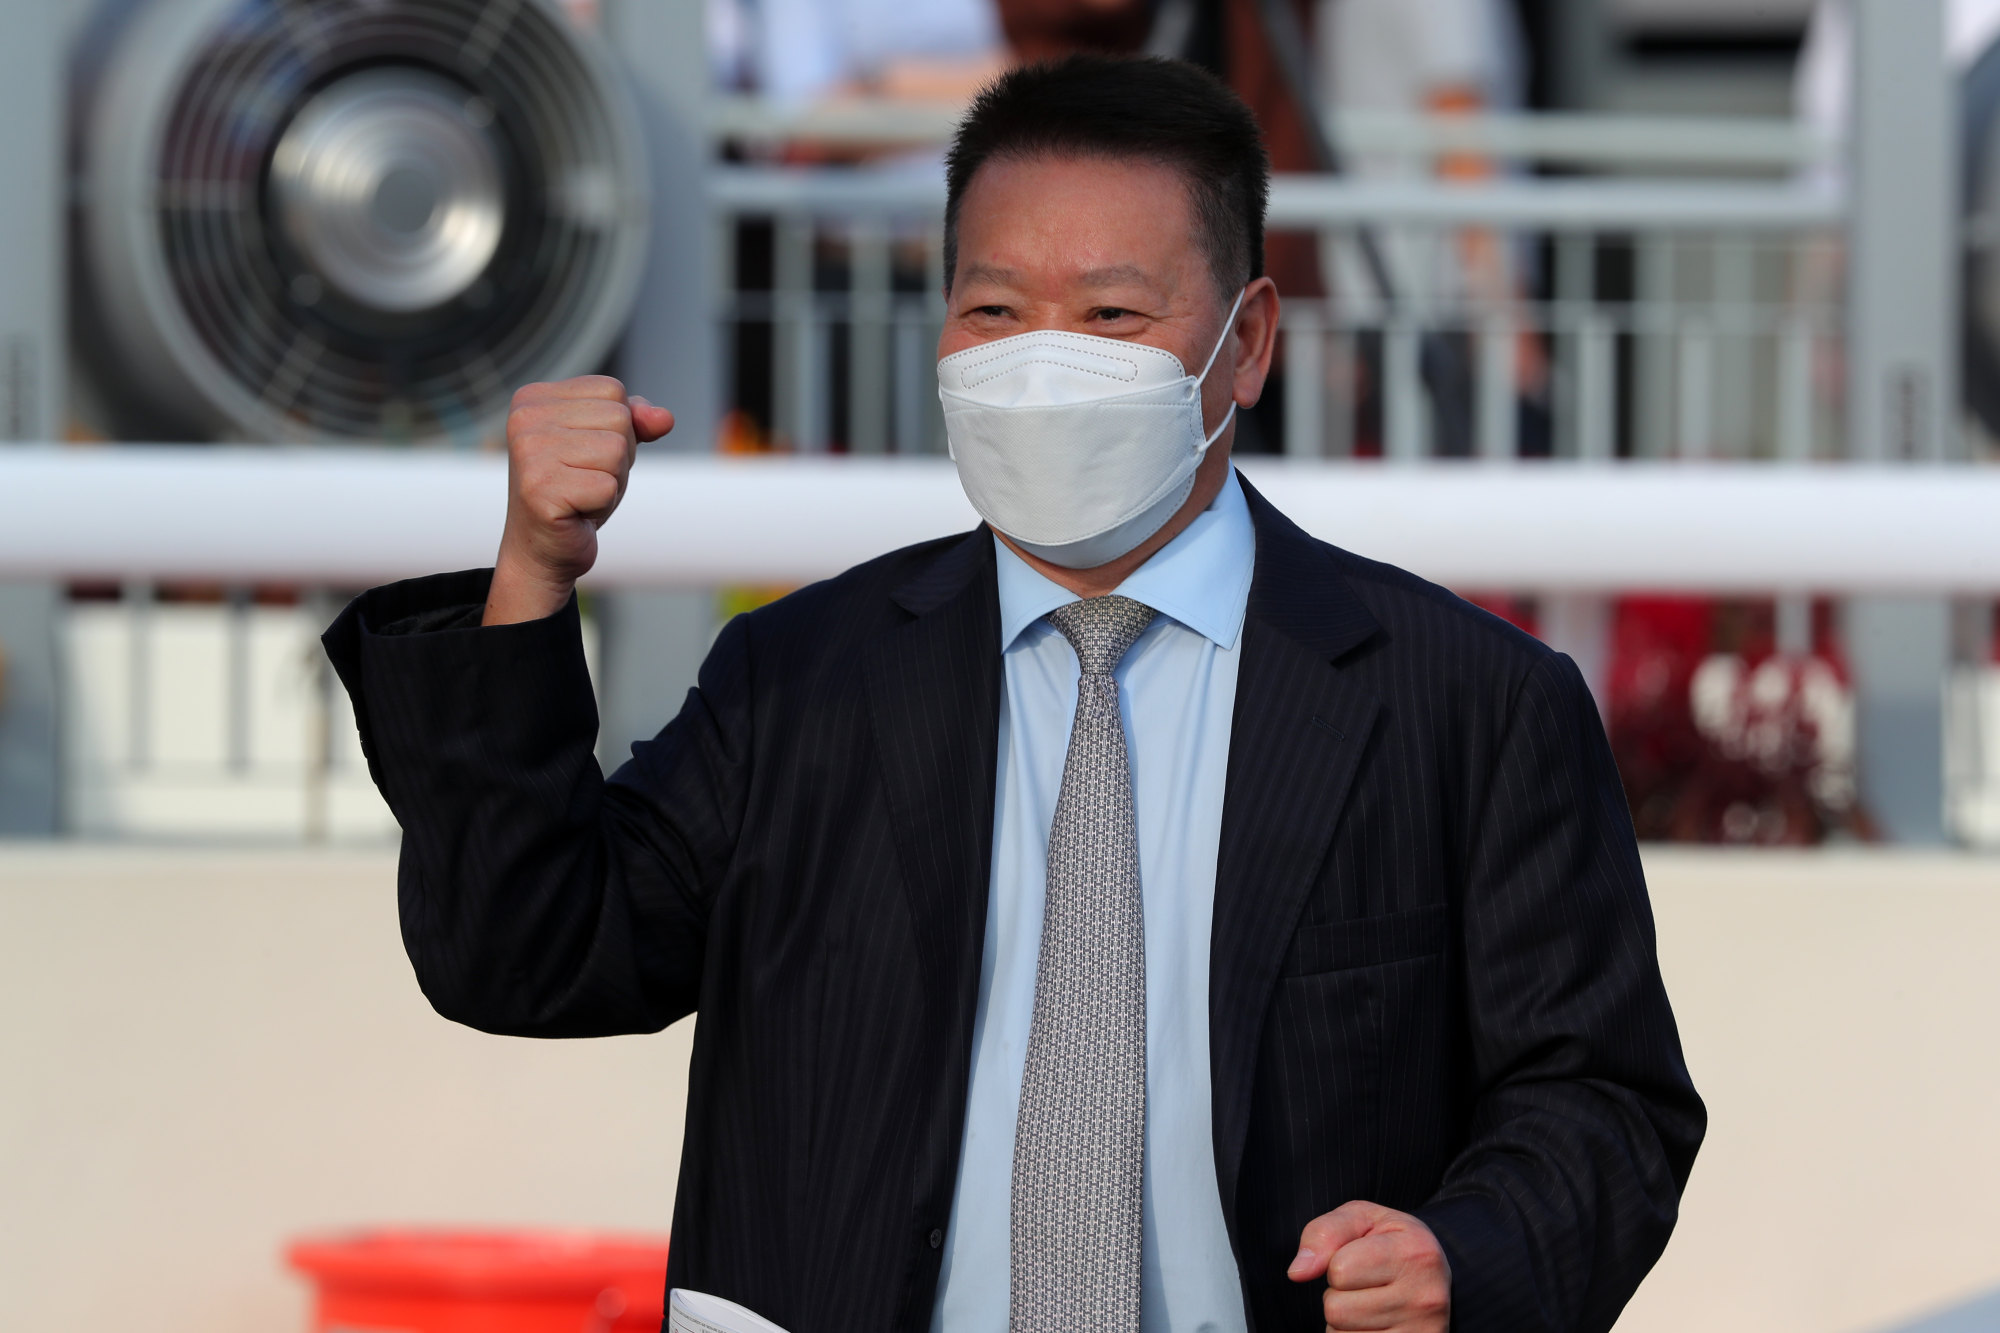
(411,1281)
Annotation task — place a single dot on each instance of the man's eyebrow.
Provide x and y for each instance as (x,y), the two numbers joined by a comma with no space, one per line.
(988,273)
(1115,274)
(1109,276)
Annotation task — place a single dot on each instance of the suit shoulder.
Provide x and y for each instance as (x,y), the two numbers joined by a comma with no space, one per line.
(853,603)
(1413,609)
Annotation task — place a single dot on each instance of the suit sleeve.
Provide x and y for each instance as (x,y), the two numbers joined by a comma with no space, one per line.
(538,899)
(1584,1121)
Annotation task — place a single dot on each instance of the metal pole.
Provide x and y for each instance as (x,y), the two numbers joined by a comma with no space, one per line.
(1499,340)
(1305,381)
(1899,649)
(1902,236)
(654,641)
(668,353)
(1579,624)
(32,62)
(1903,385)
(1653,412)
(870,274)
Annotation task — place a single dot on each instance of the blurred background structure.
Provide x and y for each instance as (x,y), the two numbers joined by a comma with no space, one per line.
(1668,329)
(1648,236)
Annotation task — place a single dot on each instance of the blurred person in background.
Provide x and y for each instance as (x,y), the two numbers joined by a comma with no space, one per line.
(1049,29)
(1441,58)
(1417,57)
(1132,914)
(801,52)
(1409,58)
(798,52)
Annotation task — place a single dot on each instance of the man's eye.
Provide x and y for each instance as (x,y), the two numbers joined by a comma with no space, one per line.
(992,311)
(1112,313)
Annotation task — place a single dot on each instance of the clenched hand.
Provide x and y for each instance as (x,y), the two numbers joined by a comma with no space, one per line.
(1383,1270)
(569,451)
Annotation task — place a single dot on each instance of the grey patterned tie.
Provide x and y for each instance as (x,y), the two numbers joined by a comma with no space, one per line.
(1080,1140)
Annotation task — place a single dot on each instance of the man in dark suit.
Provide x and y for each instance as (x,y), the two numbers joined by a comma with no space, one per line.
(1132,914)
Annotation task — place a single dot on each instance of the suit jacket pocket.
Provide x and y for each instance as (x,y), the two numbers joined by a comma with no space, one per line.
(1367,941)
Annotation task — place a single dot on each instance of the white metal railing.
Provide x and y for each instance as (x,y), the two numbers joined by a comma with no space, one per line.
(205,718)
(1719,347)
(1300,202)
(354,517)
(214,715)
(1719,339)
(1586,139)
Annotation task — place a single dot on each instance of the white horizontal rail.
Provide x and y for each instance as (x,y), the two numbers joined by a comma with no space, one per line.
(1554,137)
(1307,201)
(1301,201)
(867,121)
(1585,139)
(887,191)
(353,516)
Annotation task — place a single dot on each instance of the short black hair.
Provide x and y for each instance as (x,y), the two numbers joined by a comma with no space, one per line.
(1145,108)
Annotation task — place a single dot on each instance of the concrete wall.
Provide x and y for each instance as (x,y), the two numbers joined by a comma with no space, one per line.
(1841,1016)
(203,1053)
(206,1053)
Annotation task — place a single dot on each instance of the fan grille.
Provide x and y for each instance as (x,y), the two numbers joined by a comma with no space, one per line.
(302,347)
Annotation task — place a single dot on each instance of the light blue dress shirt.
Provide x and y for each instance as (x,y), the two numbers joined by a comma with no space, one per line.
(1177,693)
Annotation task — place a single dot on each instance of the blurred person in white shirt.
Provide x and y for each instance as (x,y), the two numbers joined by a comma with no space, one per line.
(1425,58)
(798,52)
(1417,57)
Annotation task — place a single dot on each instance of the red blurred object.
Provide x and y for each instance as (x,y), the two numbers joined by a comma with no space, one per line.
(424,1281)
(1718,737)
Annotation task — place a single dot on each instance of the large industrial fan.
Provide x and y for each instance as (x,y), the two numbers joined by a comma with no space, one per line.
(355,219)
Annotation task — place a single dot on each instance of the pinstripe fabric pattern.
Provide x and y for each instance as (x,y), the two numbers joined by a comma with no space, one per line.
(1432,980)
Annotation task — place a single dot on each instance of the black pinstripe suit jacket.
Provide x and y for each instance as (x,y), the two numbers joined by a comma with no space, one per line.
(1432,982)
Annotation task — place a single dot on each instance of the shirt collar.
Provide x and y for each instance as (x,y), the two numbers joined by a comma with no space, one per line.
(1201,578)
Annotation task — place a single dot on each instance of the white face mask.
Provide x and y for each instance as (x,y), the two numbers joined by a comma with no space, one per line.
(1077,447)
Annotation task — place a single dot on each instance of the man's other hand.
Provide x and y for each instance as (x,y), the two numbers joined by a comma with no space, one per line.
(569,451)
(1383,1270)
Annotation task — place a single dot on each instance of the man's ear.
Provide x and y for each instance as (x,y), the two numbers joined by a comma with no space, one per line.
(1256,339)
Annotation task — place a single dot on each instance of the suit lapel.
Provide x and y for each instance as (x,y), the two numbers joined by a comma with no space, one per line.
(934,700)
(934,690)
(1299,732)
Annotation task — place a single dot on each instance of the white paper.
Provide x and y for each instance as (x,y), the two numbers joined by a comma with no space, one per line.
(694,1312)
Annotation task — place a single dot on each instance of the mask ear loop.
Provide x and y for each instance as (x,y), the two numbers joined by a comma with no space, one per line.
(1230,415)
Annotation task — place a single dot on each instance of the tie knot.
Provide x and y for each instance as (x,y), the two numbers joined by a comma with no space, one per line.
(1102,629)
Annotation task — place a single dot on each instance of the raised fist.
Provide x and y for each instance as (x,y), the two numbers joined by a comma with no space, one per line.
(569,451)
